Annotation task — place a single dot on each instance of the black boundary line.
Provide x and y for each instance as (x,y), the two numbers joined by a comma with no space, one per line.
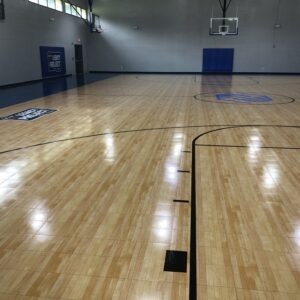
(193,232)
(193,236)
(252,81)
(182,201)
(132,131)
(105,133)
(108,133)
(246,74)
(17,84)
(183,171)
(123,95)
(245,103)
(243,146)
(198,73)
(225,85)
(186,151)
(43,80)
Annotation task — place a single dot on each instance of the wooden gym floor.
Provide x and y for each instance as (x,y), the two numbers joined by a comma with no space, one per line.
(86,193)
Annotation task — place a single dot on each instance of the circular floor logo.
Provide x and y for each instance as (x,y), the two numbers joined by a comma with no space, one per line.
(244,98)
(241,97)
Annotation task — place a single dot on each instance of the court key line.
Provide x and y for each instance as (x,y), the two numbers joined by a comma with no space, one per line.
(244,146)
(193,232)
(193,236)
(133,131)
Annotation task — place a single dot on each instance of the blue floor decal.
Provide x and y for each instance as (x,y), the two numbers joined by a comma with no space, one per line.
(240,97)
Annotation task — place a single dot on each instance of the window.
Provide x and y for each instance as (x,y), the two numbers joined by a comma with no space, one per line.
(43,2)
(75,11)
(51,4)
(54,4)
(58,5)
(83,13)
(67,8)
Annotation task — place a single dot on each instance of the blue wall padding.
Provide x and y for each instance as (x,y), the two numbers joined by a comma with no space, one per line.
(218,60)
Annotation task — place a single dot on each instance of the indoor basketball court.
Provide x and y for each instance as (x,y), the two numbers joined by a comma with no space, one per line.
(150,150)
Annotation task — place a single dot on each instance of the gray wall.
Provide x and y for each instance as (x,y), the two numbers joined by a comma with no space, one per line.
(27,27)
(170,37)
(172,34)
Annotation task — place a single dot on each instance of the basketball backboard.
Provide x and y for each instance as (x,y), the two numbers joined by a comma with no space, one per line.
(96,25)
(224,26)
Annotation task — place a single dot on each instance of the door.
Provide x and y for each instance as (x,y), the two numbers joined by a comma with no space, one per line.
(2,14)
(78,59)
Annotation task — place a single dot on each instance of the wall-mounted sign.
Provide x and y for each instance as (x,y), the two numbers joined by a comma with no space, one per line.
(53,61)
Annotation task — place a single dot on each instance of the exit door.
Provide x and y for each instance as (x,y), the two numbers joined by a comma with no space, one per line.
(78,59)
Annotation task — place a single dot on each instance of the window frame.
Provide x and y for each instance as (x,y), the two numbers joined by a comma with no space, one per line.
(76,12)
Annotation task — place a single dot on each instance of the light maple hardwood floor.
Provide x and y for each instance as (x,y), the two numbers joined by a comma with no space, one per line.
(86,193)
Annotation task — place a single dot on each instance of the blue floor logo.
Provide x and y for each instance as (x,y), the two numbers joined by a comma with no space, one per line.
(243,98)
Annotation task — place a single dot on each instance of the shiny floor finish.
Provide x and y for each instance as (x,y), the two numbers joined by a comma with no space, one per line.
(87,193)
(14,94)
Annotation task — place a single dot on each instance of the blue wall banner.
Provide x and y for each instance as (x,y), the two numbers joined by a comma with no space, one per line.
(53,61)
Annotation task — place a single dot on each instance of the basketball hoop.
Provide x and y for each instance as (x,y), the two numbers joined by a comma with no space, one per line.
(224,26)
(97,30)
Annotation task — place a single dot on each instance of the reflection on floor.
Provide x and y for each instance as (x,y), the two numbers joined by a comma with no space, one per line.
(87,193)
(25,92)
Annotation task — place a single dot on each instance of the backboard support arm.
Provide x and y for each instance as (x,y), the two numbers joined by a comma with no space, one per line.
(224,4)
(79,14)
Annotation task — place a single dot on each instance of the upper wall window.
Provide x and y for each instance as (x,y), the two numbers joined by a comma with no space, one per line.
(58,5)
(51,4)
(68,8)
(83,13)
(43,2)
(75,10)
(54,4)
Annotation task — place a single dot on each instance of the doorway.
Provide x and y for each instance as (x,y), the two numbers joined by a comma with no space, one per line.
(78,59)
